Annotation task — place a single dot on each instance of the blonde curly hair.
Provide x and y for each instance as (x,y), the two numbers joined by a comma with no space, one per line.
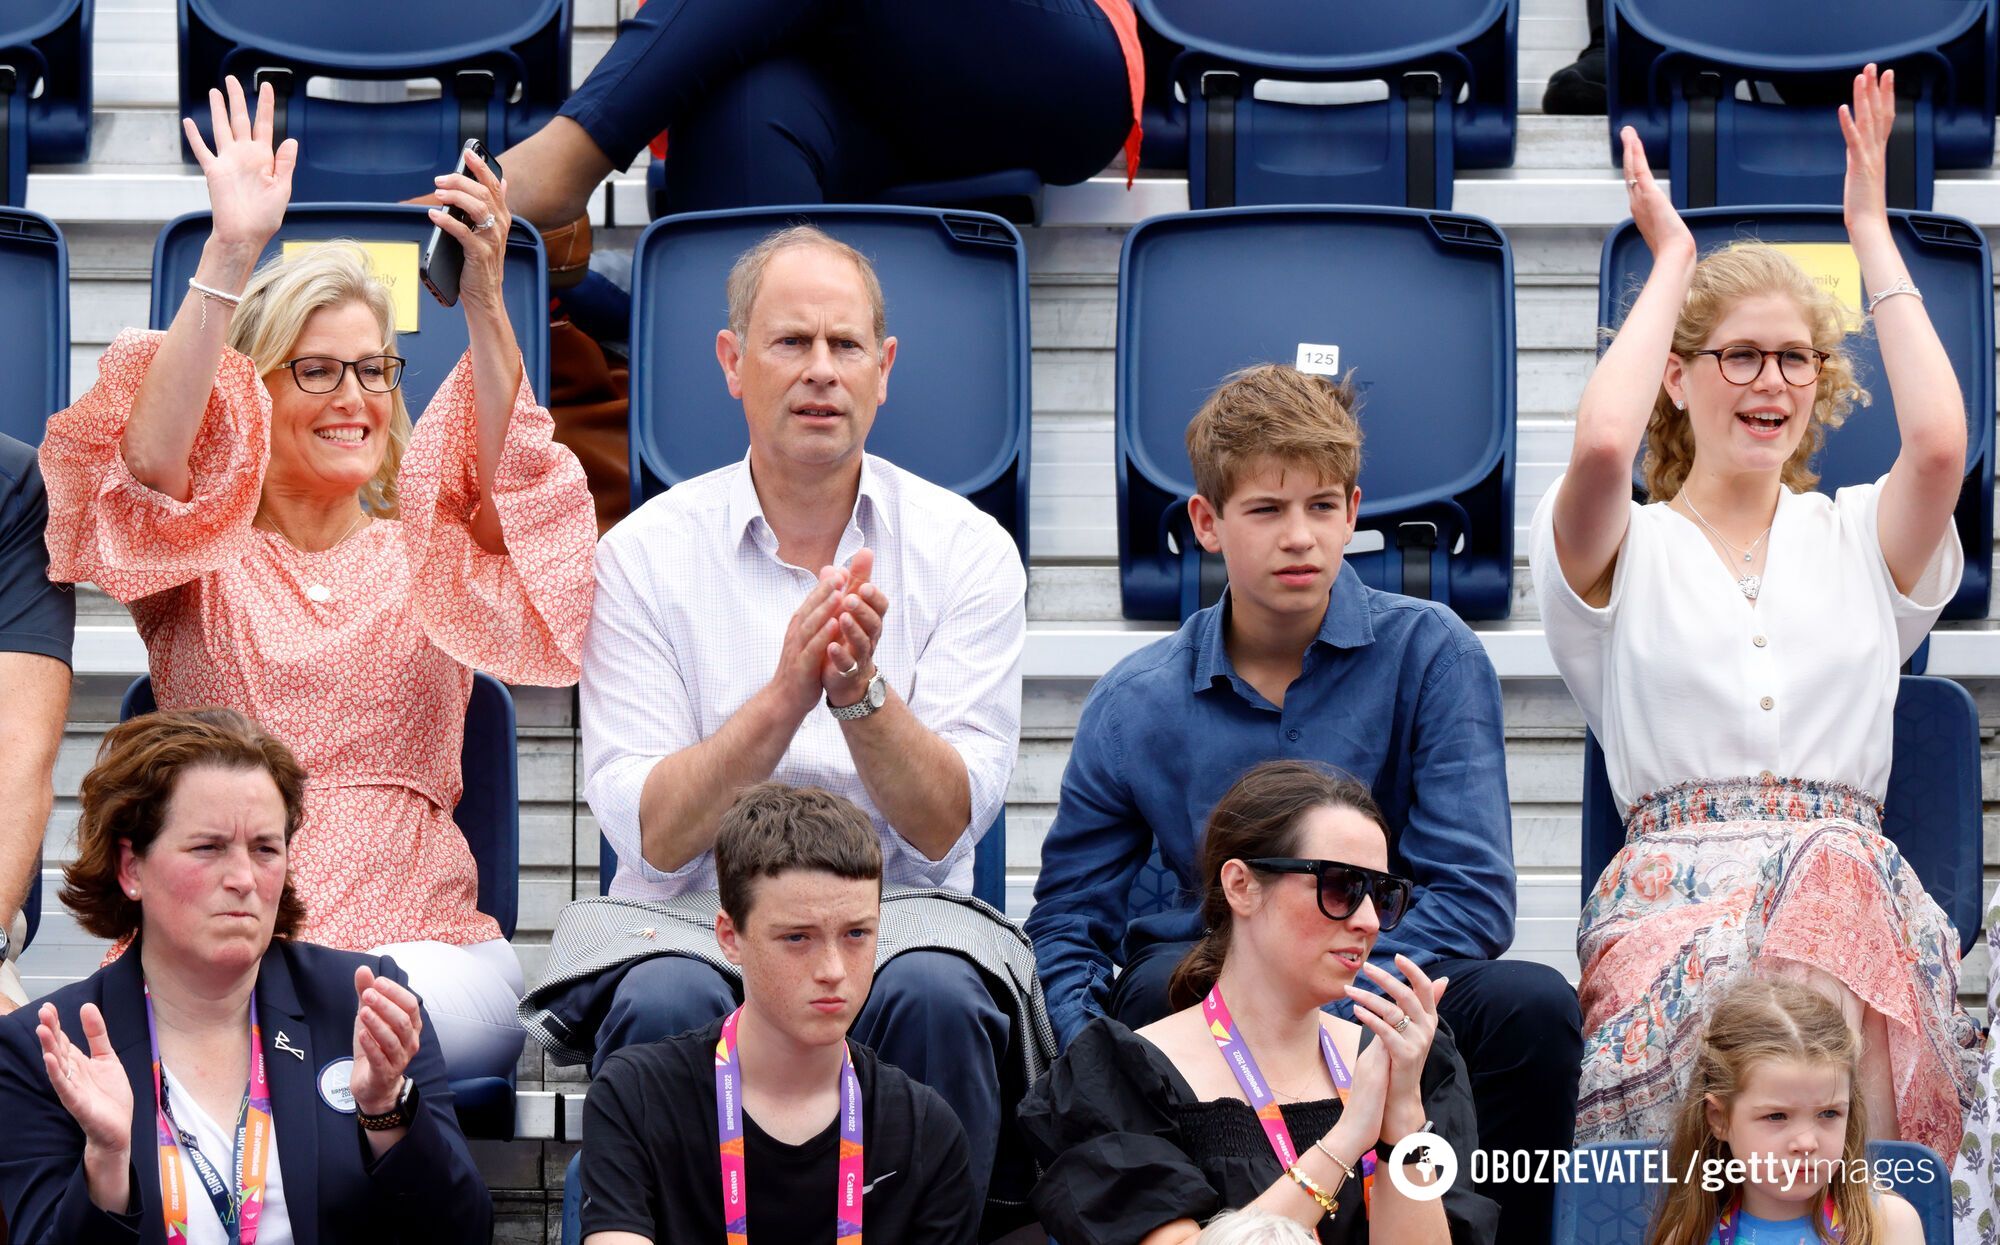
(1722,280)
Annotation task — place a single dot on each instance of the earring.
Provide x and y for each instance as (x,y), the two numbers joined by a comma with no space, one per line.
(1679,405)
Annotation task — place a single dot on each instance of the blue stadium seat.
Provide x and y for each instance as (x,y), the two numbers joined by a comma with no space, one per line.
(489,814)
(1932,813)
(1619,1212)
(45,59)
(34,322)
(989,865)
(501,68)
(32,907)
(1420,305)
(1704,83)
(434,349)
(1447,68)
(957,290)
(1015,194)
(572,1202)
(1947,257)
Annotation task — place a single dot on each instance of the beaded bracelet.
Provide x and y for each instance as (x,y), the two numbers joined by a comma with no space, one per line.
(1327,1201)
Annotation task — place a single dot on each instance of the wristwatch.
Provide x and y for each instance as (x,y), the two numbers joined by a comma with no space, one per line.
(397,1116)
(874,698)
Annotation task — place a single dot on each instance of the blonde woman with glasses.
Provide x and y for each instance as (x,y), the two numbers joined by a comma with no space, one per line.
(249,484)
(1735,646)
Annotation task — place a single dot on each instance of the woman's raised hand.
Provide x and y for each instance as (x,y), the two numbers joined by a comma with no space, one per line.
(1866,125)
(1407,1045)
(249,184)
(387,1029)
(483,197)
(1652,211)
(91,1087)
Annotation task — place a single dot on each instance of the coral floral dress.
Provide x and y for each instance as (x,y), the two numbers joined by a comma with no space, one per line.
(359,657)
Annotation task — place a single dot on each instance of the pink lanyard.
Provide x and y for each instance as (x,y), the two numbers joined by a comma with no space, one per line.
(240,1209)
(1236,1053)
(729,1128)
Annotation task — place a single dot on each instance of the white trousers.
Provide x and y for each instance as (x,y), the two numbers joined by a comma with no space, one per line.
(471,995)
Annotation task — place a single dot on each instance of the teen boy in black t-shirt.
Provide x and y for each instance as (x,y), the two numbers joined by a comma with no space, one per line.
(800,872)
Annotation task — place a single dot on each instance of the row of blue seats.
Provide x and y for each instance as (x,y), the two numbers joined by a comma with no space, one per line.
(1420,305)
(1737,107)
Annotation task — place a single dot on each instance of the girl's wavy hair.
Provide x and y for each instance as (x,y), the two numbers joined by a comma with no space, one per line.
(276,303)
(1725,278)
(1763,1020)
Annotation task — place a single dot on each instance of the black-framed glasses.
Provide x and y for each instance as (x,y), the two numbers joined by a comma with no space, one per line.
(378,373)
(1343,886)
(1742,365)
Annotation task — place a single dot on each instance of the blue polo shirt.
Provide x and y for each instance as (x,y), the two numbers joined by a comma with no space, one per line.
(36,616)
(1396,691)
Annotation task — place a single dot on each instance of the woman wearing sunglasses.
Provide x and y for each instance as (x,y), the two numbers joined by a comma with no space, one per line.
(1735,646)
(249,483)
(1251,1095)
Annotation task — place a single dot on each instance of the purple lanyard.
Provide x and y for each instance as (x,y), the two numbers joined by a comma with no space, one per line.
(729,1127)
(1236,1053)
(1725,1227)
(239,1209)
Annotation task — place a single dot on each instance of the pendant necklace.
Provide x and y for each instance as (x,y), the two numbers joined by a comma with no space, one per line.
(318,593)
(1750,584)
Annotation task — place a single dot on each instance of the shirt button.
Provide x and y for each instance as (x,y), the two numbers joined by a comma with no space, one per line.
(1766,703)
(1293,734)
(1758,640)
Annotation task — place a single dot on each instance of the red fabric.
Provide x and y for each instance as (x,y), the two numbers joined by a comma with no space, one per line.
(1123,20)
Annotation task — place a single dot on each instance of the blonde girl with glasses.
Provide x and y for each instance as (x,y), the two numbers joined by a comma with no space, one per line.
(1735,647)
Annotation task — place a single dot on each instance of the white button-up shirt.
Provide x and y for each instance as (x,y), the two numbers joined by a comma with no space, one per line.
(1682,678)
(692,606)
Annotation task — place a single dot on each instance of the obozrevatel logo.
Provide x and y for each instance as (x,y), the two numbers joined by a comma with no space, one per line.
(1432,1157)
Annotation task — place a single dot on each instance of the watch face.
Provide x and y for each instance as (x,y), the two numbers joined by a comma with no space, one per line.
(878,692)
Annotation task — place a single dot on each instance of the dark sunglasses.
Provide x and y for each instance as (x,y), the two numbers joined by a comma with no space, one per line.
(1343,886)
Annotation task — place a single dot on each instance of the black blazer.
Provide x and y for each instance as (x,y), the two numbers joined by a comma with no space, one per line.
(425,1189)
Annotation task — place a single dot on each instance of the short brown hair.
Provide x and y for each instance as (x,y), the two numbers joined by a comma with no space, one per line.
(125,797)
(1275,411)
(774,828)
(746,277)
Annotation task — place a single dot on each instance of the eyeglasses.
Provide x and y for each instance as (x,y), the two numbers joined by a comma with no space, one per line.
(1343,886)
(379,373)
(1742,365)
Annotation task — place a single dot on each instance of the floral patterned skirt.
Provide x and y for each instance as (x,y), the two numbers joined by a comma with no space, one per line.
(1720,879)
(1975,1172)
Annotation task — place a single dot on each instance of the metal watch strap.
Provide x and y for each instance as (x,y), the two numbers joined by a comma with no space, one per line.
(397,1116)
(862,708)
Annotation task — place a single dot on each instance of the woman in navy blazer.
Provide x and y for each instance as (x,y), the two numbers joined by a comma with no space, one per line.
(219,1082)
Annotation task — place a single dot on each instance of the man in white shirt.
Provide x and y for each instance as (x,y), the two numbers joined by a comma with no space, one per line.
(819,617)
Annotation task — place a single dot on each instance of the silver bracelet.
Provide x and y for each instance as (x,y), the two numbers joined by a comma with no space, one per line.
(1901,287)
(209,291)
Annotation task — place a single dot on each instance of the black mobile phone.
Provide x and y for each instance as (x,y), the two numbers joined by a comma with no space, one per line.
(444,258)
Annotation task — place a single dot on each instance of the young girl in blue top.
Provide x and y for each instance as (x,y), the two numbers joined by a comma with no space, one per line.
(1769,1145)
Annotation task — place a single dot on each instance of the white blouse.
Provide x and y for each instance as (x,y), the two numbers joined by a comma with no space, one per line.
(1683,678)
(218,1146)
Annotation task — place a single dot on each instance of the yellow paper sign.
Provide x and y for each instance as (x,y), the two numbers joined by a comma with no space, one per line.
(396,264)
(1833,268)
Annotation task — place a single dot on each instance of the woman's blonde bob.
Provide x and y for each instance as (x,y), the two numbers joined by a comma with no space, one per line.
(1725,278)
(283,294)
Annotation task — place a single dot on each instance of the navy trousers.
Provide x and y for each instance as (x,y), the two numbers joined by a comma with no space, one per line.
(1520,1029)
(810,101)
(929,1013)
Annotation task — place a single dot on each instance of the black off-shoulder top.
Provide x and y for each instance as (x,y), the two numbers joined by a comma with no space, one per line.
(1127,1147)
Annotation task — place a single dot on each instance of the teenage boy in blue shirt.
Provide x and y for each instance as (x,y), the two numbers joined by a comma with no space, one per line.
(1301,659)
